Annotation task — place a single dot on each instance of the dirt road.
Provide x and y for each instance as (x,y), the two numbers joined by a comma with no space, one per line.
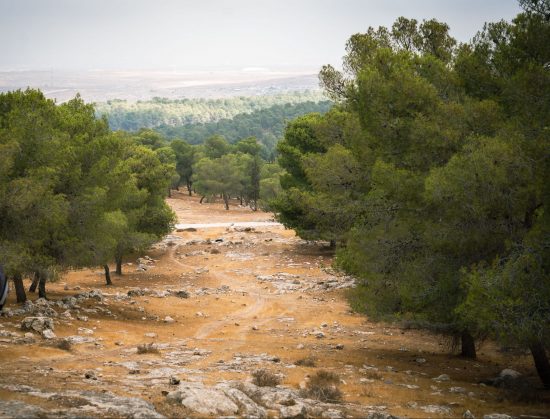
(228,293)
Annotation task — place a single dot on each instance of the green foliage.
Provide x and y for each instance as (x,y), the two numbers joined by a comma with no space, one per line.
(123,115)
(72,194)
(434,175)
(266,124)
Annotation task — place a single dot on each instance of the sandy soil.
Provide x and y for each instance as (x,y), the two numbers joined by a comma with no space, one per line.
(232,316)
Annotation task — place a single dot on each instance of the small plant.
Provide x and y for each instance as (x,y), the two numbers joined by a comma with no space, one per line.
(373,375)
(147,348)
(63,344)
(306,362)
(265,378)
(323,386)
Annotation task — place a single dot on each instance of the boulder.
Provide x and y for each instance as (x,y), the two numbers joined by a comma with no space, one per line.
(38,324)
(247,407)
(203,401)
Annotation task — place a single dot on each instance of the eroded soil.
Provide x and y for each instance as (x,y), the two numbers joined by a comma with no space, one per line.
(256,298)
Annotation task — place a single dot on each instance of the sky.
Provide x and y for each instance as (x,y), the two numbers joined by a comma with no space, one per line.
(210,34)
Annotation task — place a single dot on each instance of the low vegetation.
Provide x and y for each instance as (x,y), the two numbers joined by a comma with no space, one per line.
(323,386)
(265,378)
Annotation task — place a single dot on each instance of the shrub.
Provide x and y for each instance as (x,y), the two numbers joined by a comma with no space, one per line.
(147,348)
(265,378)
(323,386)
(306,362)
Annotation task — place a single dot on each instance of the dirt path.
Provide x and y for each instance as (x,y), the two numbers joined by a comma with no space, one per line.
(228,293)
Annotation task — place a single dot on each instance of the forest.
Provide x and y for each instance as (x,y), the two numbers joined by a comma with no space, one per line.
(267,125)
(129,116)
(428,176)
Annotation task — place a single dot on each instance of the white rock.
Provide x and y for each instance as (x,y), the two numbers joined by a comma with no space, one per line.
(203,401)
(294,411)
(508,372)
(48,334)
(168,319)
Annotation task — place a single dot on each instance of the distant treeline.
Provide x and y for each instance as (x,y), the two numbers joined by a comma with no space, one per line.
(128,116)
(267,125)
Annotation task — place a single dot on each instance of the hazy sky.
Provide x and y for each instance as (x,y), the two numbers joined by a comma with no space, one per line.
(183,34)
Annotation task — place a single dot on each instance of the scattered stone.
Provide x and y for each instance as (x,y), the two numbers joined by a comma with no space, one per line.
(468,415)
(300,346)
(174,381)
(181,294)
(497,416)
(420,360)
(459,390)
(168,319)
(136,292)
(340,346)
(433,408)
(442,377)
(150,335)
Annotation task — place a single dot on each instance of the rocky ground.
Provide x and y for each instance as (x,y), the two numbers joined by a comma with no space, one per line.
(185,329)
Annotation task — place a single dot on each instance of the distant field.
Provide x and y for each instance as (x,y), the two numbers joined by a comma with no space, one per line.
(101,86)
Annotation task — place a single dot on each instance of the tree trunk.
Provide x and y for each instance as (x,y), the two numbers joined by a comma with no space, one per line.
(34,283)
(169,192)
(241,198)
(468,345)
(202,199)
(226,201)
(42,286)
(189,188)
(19,288)
(118,260)
(107,275)
(333,244)
(541,362)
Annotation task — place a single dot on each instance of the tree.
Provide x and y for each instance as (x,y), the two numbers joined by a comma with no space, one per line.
(219,176)
(185,157)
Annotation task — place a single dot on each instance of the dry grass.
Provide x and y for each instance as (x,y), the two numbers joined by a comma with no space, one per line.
(265,378)
(323,386)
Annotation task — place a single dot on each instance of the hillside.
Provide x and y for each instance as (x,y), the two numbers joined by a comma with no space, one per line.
(216,304)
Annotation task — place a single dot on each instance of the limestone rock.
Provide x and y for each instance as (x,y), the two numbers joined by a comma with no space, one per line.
(203,401)
(48,334)
(38,324)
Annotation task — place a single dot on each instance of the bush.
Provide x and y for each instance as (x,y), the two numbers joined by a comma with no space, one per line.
(323,386)
(265,378)
(147,348)
(306,362)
